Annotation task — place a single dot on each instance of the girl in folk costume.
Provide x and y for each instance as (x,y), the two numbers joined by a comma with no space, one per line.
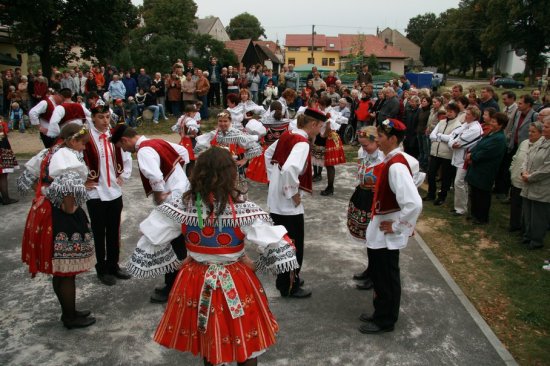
(271,92)
(328,149)
(275,125)
(360,205)
(248,106)
(287,99)
(8,163)
(57,238)
(188,129)
(217,307)
(236,110)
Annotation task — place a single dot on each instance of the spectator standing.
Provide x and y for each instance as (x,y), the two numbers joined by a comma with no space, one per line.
(331,79)
(423,139)
(488,99)
(292,78)
(23,91)
(364,76)
(91,85)
(214,78)
(223,83)
(188,88)
(254,79)
(410,142)
(173,95)
(158,82)
(390,107)
(68,82)
(202,88)
(130,84)
(143,80)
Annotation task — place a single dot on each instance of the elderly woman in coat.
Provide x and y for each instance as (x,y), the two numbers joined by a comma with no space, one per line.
(535,133)
(483,164)
(536,190)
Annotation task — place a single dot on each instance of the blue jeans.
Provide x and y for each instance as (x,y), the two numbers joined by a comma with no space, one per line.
(424,145)
(157,110)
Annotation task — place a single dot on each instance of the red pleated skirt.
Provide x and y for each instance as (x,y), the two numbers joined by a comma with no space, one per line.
(257,170)
(225,339)
(188,144)
(334,150)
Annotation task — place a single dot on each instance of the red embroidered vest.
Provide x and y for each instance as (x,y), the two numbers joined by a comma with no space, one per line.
(384,199)
(284,146)
(169,158)
(49,110)
(72,111)
(92,159)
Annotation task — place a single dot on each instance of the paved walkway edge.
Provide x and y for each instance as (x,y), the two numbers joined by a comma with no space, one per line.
(493,339)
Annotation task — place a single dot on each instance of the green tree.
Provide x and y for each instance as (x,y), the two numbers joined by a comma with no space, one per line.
(419,25)
(245,26)
(522,24)
(206,46)
(374,65)
(167,34)
(50,28)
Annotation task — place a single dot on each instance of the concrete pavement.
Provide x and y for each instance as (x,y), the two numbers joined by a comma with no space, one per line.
(437,325)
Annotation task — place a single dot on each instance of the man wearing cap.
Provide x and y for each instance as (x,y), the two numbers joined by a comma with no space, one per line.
(65,113)
(162,171)
(396,208)
(109,167)
(41,114)
(289,171)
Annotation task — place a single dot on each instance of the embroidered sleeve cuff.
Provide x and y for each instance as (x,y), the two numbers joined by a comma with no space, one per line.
(278,258)
(149,261)
(25,182)
(67,184)
(256,150)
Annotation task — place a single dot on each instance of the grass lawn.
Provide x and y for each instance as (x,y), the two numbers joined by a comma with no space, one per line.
(501,278)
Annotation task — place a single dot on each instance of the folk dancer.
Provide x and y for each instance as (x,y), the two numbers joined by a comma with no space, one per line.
(397,206)
(57,240)
(109,167)
(66,113)
(41,114)
(288,162)
(162,171)
(218,308)
(370,165)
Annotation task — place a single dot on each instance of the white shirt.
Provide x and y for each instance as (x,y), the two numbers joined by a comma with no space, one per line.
(149,165)
(237,116)
(403,186)
(467,136)
(103,191)
(37,110)
(58,113)
(284,183)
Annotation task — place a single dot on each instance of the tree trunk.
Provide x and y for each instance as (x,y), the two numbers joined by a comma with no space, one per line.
(474,70)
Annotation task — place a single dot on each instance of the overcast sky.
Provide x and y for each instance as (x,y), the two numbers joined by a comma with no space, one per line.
(329,16)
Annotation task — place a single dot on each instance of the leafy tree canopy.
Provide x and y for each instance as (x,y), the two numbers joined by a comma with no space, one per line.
(50,28)
(245,26)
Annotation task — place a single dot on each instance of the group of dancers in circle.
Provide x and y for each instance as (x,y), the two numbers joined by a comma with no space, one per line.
(195,235)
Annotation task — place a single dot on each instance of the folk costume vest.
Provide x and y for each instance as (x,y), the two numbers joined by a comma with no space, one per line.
(169,158)
(92,159)
(49,110)
(282,151)
(384,199)
(72,111)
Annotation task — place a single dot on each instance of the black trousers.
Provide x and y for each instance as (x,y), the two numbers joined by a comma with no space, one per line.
(503,180)
(294,224)
(47,141)
(178,245)
(385,275)
(480,203)
(448,172)
(105,221)
(214,93)
(515,208)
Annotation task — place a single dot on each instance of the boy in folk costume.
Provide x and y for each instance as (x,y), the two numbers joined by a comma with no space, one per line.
(289,171)
(41,113)
(109,167)
(397,206)
(65,113)
(162,171)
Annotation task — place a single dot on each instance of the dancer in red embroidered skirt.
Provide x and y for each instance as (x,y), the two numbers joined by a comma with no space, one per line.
(188,128)
(8,163)
(57,238)
(217,307)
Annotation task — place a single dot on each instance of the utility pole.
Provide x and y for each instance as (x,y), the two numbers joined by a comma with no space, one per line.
(312,43)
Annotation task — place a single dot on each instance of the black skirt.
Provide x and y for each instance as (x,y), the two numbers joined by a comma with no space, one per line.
(359,212)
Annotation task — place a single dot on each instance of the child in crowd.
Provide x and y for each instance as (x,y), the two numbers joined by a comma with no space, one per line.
(119,113)
(131,110)
(16,117)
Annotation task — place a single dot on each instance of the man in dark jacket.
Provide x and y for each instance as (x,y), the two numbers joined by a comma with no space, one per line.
(390,108)
(214,77)
(143,80)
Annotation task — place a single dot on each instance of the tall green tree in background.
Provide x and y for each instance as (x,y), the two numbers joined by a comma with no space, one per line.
(166,34)
(524,24)
(50,28)
(422,30)
(245,26)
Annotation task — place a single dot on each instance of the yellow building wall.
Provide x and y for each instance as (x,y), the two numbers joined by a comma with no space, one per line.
(10,49)
(302,56)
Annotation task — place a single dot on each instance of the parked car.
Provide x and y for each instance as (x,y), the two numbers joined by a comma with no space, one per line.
(494,78)
(508,83)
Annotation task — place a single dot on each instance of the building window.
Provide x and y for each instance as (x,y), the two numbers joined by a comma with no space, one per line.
(385,66)
(315,48)
(332,62)
(294,48)
(324,61)
(292,61)
(310,60)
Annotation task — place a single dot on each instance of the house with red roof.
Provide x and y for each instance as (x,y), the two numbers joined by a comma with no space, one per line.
(334,52)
